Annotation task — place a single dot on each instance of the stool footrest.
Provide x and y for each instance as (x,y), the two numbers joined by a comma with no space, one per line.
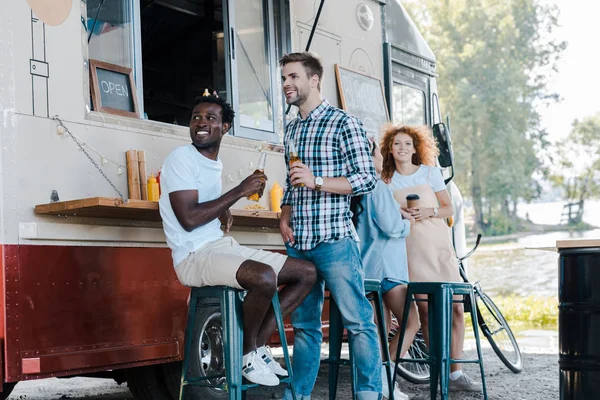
(341,361)
(201,379)
(472,361)
(285,380)
(203,384)
(429,360)
(245,386)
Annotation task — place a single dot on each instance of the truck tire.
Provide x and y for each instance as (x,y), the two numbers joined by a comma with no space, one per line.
(172,376)
(7,388)
(206,356)
(147,383)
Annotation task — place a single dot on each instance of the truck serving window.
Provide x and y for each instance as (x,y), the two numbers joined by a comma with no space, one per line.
(409,106)
(178,48)
(182,50)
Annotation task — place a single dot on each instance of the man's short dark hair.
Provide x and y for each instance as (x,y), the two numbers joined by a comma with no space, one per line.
(310,61)
(227,112)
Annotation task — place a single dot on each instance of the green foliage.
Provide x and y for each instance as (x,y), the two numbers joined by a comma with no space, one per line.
(577,162)
(500,224)
(531,311)
(494,59)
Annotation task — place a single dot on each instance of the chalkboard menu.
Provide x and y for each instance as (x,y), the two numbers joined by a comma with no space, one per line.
(362,96)
(113,89)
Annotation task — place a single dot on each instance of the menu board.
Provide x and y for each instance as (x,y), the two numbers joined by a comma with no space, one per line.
(362,96)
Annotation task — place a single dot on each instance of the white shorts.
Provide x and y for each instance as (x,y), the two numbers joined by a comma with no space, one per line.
(217,263)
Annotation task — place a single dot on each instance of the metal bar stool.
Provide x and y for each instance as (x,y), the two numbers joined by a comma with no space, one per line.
(336,332)
(230,300)
(439,303)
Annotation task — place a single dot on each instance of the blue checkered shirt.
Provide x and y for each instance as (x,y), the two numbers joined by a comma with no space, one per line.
(332,144)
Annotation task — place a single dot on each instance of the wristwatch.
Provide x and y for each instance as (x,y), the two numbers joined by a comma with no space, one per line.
(435,212)
(318,183)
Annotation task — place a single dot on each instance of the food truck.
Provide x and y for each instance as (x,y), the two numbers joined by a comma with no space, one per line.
(88,286)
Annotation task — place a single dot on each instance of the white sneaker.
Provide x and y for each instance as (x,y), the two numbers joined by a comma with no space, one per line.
(464,384)
(265,354)
(255,370)
(385,390)
(399,395)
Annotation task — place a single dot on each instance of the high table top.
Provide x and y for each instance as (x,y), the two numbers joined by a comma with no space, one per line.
(577,243)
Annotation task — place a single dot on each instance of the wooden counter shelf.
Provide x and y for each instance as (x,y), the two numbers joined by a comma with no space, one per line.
(143,210)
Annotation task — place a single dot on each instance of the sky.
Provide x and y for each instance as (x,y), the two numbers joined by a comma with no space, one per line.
(578,79)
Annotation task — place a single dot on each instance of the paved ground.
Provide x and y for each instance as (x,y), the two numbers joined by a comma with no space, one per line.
(538,381)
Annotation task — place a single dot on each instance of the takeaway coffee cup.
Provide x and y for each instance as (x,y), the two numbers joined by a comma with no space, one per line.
(412,200)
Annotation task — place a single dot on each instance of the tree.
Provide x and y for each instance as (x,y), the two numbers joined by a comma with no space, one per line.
(577,168)
(494,59)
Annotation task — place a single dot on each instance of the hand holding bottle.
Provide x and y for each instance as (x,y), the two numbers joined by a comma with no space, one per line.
(260,170)
(294,158)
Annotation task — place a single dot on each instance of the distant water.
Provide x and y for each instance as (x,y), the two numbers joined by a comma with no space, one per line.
(516,267)
(549,213)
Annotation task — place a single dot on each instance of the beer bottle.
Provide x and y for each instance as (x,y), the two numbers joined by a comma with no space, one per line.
(259,169)
(293,158)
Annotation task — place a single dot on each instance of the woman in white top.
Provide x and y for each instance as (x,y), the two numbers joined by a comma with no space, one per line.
(409,157)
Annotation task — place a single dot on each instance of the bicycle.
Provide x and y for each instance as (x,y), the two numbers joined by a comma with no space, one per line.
(491,322)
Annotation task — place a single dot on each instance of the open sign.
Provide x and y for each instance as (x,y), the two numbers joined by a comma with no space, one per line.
(113,89)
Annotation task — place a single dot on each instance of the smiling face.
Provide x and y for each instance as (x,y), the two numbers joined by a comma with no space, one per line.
(297,85)
(207,126)
(403,148)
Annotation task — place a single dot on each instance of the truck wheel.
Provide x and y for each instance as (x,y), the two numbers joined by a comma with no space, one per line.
(7,389)
(206,357)
(147,383)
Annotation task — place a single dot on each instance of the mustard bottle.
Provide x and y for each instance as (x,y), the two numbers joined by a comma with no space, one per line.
(276,196)
(152,189)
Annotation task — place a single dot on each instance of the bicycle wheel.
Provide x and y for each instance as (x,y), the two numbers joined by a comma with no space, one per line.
(415,372)
(498,333)
(412,372)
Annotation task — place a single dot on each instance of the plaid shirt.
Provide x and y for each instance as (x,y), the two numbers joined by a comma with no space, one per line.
(332,144)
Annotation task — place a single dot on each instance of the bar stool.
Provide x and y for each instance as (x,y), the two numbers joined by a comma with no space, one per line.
(230,300)
(439,303)
(336,332)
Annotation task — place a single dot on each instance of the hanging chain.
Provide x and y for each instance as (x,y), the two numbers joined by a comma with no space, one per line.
(82,148)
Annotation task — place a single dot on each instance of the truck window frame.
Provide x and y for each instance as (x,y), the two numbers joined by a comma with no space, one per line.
(273,47)
(413,84)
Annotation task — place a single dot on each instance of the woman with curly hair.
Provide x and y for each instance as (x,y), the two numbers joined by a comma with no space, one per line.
(409,167)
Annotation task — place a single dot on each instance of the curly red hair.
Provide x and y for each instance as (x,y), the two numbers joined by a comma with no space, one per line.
(423,141)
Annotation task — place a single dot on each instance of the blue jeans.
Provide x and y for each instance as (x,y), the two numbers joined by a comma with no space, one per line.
(340,268)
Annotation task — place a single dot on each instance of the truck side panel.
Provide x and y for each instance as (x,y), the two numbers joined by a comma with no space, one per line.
(76,309)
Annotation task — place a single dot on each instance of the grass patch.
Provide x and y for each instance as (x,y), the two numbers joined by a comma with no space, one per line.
(530,311)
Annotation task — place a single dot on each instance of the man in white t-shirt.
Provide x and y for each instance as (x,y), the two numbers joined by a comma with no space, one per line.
(191,206)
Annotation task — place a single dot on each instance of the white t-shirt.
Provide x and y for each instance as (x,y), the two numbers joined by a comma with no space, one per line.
(187,169)
(425,175)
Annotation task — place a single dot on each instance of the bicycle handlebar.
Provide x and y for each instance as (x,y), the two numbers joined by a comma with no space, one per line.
(461,267)
(460,259)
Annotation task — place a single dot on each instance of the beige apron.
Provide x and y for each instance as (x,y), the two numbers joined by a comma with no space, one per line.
(431,256)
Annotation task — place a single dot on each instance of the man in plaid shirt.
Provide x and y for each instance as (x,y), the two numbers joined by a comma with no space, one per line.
(316,224)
